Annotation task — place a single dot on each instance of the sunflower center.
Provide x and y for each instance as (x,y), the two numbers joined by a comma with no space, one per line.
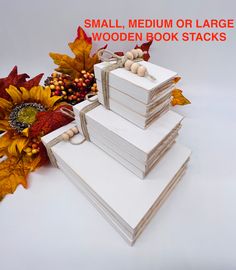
(27,115)
(24,115)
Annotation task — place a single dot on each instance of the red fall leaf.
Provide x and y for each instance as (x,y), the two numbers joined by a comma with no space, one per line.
(18,80)
(49,121)
(81,35)
(43,155)
(145,48)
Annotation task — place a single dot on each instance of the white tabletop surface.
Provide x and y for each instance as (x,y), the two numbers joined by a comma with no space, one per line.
(52,226)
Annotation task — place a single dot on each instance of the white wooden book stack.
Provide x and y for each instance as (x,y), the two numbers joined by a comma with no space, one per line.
(132,162)
(135,98)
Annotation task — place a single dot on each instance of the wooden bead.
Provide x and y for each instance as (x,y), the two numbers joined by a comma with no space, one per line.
(65,137)
(134,68)
(128,64)
(141,71)
(129,55)
(70,133)
(135,53)
(140,53)
(75,130)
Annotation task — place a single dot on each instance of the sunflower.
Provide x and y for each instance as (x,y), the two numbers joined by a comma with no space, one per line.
(27,116)
(21,112)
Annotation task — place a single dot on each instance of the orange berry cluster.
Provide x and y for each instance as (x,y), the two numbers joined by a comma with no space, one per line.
(72,90)
(32,147)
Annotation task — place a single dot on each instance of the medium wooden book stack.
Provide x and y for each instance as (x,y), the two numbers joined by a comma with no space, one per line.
(137,149)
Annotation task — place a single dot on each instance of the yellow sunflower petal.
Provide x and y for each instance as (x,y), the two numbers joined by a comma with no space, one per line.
(25,132)
(17,146)
(35,93)
(4,125)
(52,101)
(43,96)
(59,105)
(15,94)
(5,105)
(25,94)
(46,94)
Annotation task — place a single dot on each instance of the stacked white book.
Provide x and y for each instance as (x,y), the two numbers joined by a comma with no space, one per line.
(125,201)
(138,99)
(137,149)
(108,169)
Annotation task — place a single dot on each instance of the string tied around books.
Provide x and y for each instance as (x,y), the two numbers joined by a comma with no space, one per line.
(130,61)
(66,136)
(69,134)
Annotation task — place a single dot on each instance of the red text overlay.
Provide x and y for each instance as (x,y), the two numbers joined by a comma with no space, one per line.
(161,30)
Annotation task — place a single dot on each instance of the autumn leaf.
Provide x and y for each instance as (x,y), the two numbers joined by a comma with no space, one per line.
(82,35)
(18,80)
(32,82)
(14,172)
(48,121)
(176,79)
(67,65)
(119,53)
(178,98)
(81,47)
(5,142)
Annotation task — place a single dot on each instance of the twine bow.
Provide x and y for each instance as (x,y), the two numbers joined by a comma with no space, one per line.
(108,56)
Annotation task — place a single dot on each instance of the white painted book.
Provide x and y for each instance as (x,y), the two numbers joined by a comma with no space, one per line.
(137,149)
(138,99)
(127,203)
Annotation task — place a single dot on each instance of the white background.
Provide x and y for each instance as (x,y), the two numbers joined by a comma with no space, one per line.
(52,226)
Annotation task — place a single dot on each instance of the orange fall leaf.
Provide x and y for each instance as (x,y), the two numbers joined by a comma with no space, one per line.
(14,172)
(81,47)
(178,98)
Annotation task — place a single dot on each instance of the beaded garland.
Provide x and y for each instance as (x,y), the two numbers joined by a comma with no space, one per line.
(129,61)
(133,66)
(70,133)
